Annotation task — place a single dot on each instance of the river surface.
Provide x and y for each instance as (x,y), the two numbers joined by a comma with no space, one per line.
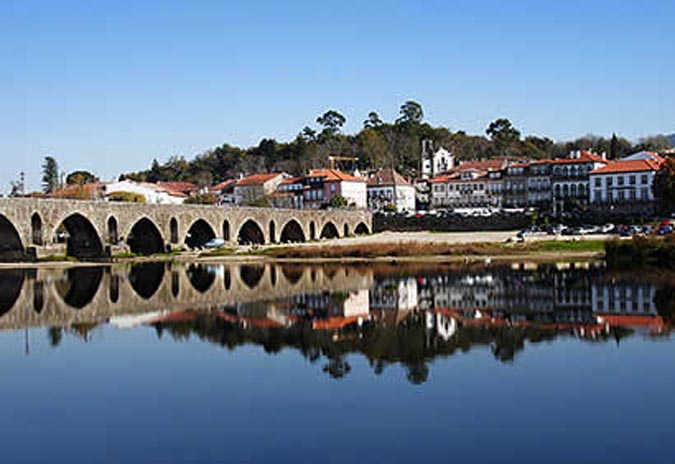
(332,363)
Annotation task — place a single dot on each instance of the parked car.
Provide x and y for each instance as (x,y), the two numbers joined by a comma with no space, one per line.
(215,243)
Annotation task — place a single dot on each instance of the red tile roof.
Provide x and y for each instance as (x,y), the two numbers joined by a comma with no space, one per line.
(182,187)
(386,177)
(332,175)
(627,166)
(78,191)
(584,157)
(223,185)
(290,181)
(257,179)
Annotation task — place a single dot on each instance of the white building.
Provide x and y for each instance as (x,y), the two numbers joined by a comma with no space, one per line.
(388,187)
(152,193)
(570,178)
(256,187)
(435,162)
(622,182)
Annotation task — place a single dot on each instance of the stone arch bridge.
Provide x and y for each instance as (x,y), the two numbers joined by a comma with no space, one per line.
(89,229)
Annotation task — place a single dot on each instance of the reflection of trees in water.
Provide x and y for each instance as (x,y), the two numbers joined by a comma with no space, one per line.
(408,343)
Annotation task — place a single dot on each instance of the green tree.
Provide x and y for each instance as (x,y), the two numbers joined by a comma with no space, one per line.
(654,143)
(410,112)
(81,178)
(332,122)
(503,135)
(50,175)
(338,201)
(613,147)
(308,134)
(664,187)
(373,121)
(374,148)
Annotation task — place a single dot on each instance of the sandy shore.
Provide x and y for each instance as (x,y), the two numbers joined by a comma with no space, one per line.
(383,238)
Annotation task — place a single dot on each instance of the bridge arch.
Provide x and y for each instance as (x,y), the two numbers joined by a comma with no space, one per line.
(145,238)
(329,231)
(273,232)
(36,229)
(199,233)
(250,232)
(361,229)
(11,247)
(226,230)
(82,239)
(292,232)
(113,234)
(173,230)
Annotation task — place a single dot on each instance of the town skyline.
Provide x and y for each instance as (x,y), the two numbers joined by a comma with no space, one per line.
(103,86)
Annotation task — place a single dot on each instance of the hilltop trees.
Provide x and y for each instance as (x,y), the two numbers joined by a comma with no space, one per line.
(50,175)
(505,137)
(81,178)
(378,144)
(664,187)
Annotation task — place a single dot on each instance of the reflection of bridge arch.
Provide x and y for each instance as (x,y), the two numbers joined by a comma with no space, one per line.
(250,232)
(145,238)
(11,248)
(11,283)
(141,290)
(82,239)
(146,278)
(292,232)
(200,278)
(80,286)
(251,274)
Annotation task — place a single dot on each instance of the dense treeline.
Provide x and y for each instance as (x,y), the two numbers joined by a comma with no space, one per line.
(377,144)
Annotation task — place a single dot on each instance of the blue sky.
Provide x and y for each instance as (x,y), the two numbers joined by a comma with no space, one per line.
(108,86)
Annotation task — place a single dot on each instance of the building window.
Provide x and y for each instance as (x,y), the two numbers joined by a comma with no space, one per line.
(598,182)
(643,193)
(644,179)
(610,182)
(620,180)
(631,180)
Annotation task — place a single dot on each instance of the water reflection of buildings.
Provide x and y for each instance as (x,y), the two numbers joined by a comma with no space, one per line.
(391,315)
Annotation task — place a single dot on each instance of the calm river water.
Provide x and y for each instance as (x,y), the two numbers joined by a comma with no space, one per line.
(332,363)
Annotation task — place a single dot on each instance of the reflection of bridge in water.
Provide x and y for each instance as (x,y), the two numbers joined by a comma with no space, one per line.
(35,298)
(388,313)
